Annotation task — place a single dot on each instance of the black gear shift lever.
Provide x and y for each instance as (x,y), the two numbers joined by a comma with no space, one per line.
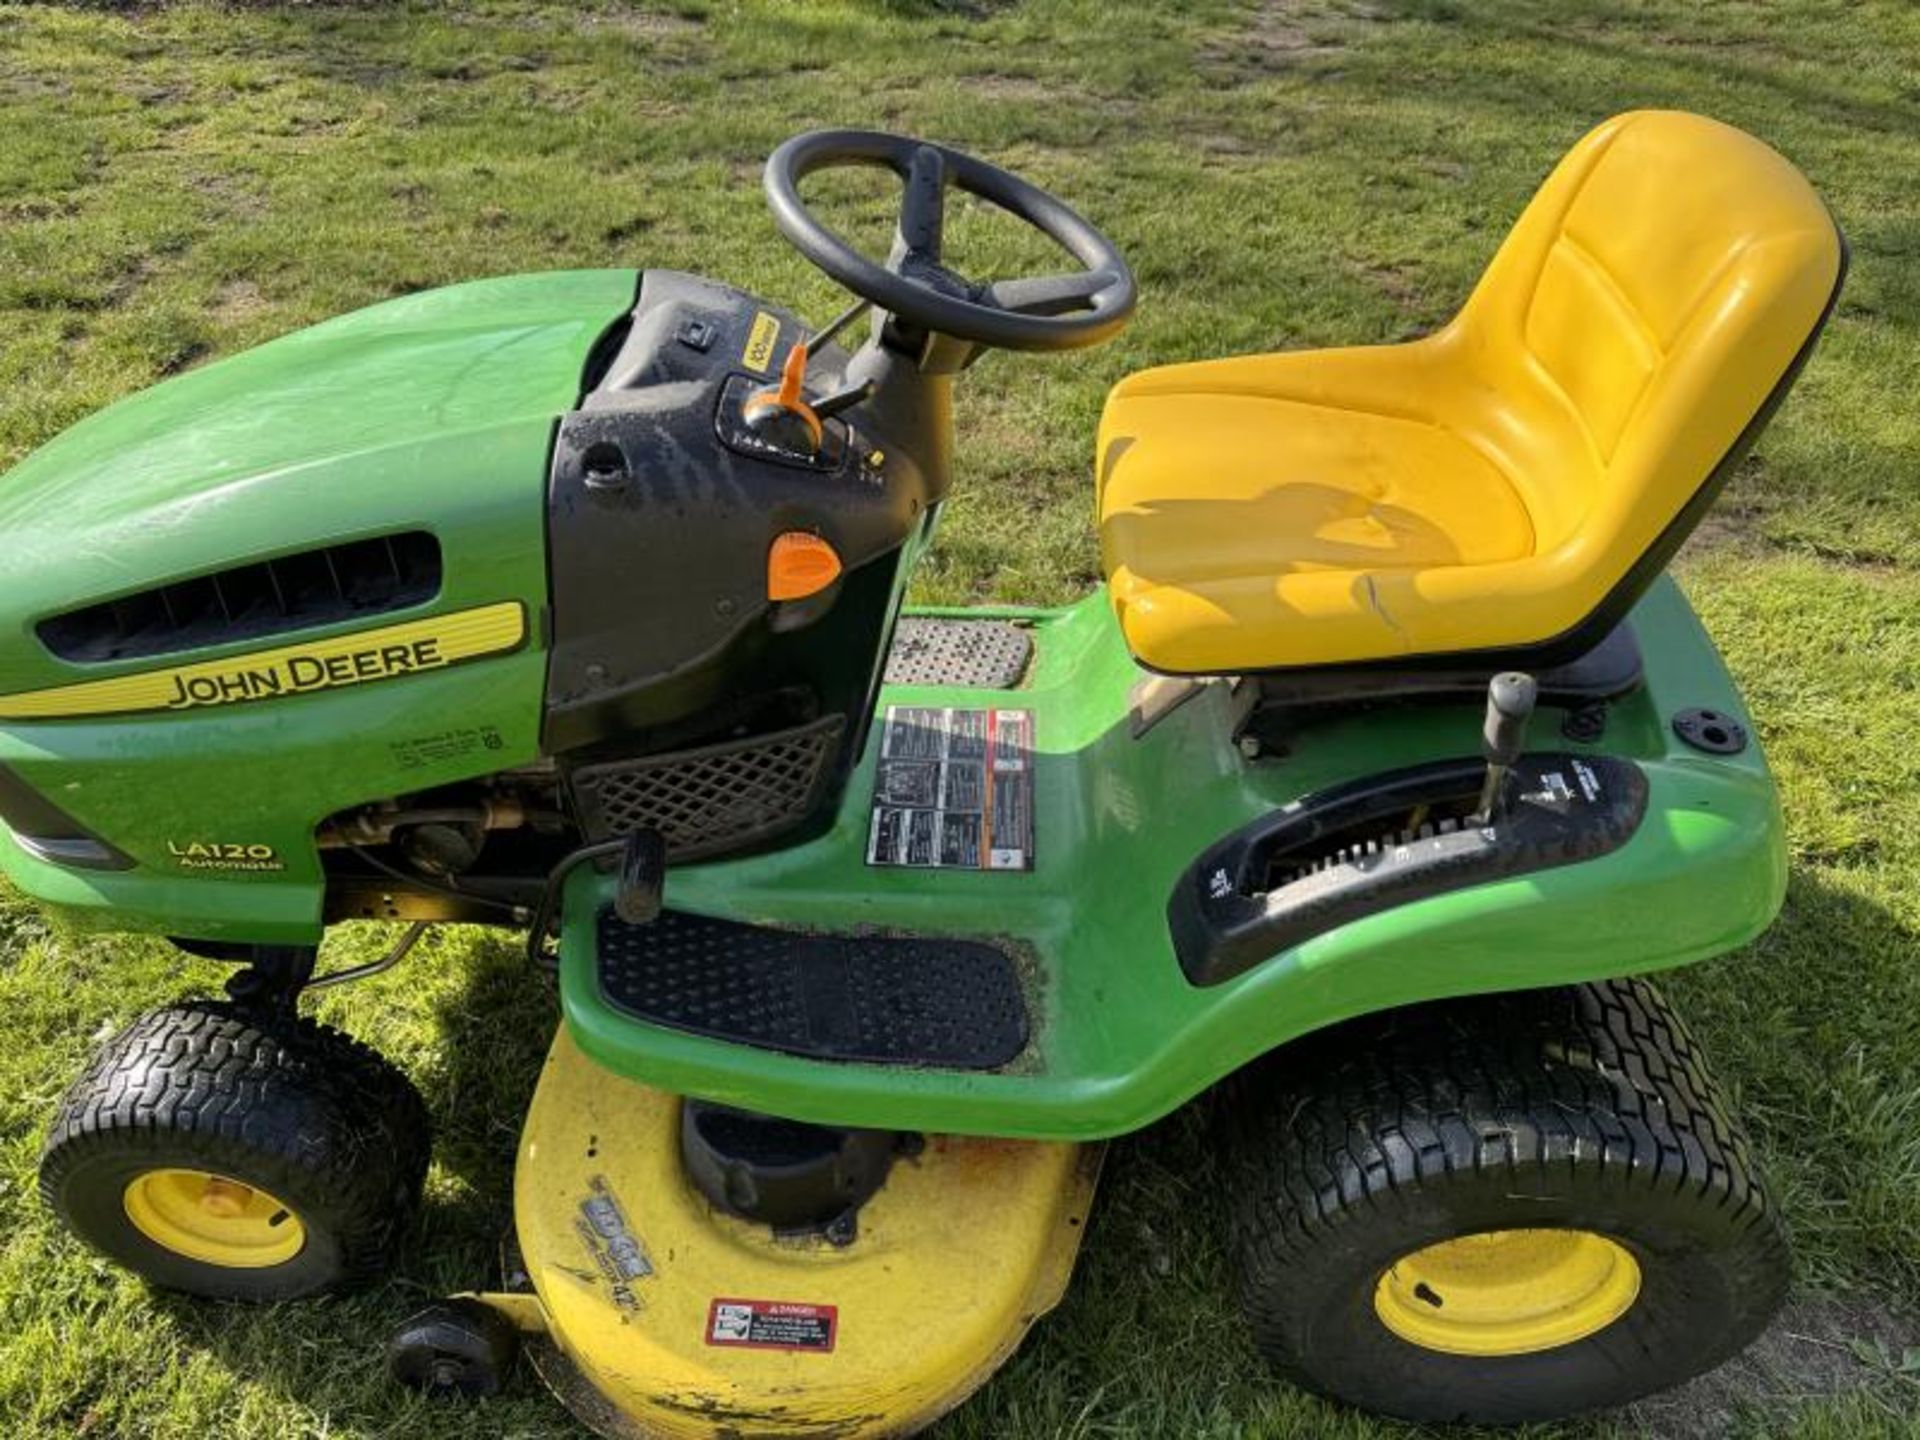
(1510,700)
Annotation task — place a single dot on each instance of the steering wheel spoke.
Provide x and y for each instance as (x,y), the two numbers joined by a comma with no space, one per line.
(923,208)
(948,281)
(1051,294)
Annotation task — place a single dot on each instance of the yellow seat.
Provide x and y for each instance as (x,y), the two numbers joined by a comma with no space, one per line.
(1510,483)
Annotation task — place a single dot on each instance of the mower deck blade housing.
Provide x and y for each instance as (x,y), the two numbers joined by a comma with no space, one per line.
(668,1318)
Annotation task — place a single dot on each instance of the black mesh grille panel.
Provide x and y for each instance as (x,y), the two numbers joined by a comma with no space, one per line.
(885,1000)
(248,602)
(712,799)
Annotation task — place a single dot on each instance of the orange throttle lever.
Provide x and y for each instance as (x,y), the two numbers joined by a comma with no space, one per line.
(782,416)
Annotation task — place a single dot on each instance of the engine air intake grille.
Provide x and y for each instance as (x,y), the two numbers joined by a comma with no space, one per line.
(249,602)
(715,798)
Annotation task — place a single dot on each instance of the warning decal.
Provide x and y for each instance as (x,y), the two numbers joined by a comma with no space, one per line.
(760,341)
(954,790)
(772,1325)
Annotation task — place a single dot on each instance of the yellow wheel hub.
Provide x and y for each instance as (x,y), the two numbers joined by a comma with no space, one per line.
(213,1219)
(1508,1292)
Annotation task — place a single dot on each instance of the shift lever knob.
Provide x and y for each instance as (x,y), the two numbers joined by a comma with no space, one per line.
(1510,701)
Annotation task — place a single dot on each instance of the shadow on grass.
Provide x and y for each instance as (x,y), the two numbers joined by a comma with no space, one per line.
(1810,1029)
(1149,1340)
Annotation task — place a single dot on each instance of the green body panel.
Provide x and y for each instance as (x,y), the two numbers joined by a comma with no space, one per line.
(431,412)
(438,412)
(1121,1038)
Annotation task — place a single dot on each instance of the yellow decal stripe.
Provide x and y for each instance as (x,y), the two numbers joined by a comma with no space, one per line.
(418,645)
(760,340)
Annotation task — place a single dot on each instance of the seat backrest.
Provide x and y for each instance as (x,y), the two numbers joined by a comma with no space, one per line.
(1655,297)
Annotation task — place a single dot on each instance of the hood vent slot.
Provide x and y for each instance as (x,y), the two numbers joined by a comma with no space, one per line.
(251,602)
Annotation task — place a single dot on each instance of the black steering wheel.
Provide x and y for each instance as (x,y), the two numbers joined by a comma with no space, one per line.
(1053,312)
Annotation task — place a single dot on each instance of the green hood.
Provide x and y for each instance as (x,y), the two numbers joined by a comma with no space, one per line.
(429,412)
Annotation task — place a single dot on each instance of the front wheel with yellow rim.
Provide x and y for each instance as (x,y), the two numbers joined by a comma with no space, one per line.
(238,1156)
(1501,1209)
(214,1218)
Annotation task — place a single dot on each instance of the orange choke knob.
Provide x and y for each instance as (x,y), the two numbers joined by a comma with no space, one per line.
(800,564)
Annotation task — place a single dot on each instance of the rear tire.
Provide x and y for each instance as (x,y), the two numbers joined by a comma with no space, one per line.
(236,1157)
(1629,1245)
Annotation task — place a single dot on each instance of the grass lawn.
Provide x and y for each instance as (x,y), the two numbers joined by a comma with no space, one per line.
(178,183)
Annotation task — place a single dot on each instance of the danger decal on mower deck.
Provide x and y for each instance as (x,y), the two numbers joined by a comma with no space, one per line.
(772,1325)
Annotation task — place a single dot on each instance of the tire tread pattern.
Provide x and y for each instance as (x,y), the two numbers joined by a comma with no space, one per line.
(1527,1086)
(201,1081)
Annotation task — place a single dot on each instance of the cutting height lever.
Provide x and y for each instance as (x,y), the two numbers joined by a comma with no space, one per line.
(1510,700)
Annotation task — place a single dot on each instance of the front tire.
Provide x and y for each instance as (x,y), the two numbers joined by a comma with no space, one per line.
(1503,1209)
(235,1157)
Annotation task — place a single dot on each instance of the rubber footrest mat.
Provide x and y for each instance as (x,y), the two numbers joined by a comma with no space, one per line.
(976,654)
(936,1003)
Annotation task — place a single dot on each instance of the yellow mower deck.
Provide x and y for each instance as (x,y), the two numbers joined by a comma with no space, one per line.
(668,1318)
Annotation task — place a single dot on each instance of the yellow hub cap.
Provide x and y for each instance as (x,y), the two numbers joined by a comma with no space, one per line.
(213,1219)
(1508,1292)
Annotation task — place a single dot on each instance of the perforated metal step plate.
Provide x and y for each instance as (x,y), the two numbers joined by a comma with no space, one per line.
(976,654)
(935,1003)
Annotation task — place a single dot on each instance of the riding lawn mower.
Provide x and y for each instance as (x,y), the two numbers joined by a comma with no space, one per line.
(1386,765)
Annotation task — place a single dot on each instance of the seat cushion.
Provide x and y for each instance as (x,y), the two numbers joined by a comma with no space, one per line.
(1217,500)
(1508,485)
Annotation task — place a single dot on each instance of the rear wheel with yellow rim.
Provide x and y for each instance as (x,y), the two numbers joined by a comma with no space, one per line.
(233,1155)
(1508,1208)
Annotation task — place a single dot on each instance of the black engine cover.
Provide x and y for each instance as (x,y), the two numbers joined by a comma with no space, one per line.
(662,510)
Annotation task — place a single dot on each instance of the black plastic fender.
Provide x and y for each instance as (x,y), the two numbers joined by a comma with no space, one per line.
(1353,855)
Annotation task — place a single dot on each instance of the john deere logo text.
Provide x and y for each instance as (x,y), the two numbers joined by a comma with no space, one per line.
(220,855)
(304,672)
(409,649)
